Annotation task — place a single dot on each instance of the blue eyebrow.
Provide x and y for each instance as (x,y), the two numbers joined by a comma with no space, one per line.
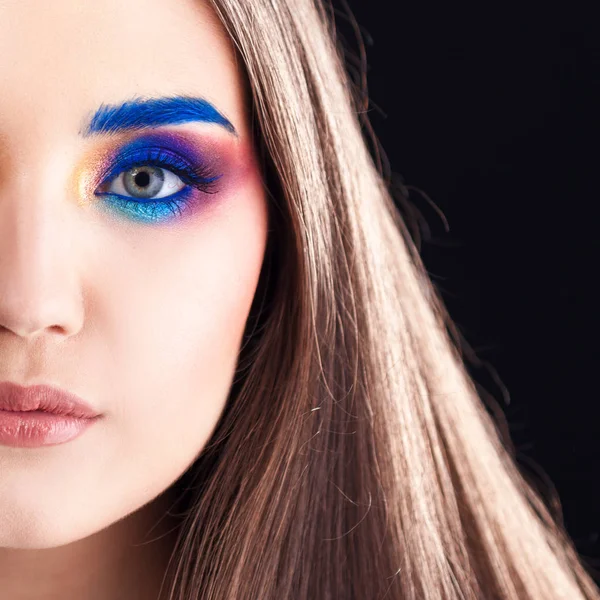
(140,113)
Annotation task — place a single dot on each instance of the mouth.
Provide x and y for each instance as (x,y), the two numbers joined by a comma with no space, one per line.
(41,415)
(43,398)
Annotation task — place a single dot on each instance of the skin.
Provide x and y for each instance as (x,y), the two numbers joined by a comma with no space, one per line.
(143,321)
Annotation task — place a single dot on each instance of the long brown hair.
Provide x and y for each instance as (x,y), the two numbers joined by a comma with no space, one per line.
(355,458)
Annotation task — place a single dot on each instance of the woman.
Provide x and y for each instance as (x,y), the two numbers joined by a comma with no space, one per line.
(195,242)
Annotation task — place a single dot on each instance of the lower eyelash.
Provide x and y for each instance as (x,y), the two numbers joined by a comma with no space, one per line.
(152,210)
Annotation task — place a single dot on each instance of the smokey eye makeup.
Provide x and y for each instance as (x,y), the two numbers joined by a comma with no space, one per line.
(161,175)
(158,177)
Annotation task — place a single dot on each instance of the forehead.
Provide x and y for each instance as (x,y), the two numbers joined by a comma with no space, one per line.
(60,60)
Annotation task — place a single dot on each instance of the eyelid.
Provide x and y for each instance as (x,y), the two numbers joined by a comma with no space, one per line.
(166,158)
(203,153)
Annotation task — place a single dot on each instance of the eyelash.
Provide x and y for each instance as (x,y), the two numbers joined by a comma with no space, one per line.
(199,177)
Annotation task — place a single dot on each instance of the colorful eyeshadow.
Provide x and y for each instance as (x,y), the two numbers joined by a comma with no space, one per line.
(148,156)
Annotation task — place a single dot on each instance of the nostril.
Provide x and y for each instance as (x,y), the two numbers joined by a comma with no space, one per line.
(56,329)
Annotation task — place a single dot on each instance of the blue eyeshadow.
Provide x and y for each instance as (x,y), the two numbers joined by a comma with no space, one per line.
(166,151)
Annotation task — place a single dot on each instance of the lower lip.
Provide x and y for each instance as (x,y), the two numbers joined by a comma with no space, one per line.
(36,428)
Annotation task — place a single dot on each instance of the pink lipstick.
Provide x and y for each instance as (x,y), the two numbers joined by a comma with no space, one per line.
(41,415)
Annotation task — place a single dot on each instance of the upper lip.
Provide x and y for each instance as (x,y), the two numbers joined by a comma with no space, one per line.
(46,398)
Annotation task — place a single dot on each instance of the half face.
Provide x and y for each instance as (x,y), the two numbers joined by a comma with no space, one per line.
(133,225)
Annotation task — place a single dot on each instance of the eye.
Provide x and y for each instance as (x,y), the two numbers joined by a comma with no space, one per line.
(146,182)
(154,184)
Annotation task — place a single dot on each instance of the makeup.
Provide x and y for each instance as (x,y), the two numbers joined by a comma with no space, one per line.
(41,415)
(161,176)
(36,428)
(148,167)
(135,178)
(143,113)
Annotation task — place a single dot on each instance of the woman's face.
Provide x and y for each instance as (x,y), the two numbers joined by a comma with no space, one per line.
(128,285)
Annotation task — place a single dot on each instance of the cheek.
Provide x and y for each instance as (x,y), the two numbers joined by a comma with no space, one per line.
(176,311)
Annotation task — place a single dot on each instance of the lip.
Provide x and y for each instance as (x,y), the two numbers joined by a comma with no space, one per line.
(41,415)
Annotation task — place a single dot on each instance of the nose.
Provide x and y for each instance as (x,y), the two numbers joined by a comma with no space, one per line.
(38,284)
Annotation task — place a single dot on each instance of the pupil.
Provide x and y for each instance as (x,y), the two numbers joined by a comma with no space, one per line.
(142,179)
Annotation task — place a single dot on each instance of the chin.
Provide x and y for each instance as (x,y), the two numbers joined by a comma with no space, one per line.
(37,522)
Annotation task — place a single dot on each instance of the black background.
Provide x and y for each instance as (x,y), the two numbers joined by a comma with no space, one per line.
(492,111)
